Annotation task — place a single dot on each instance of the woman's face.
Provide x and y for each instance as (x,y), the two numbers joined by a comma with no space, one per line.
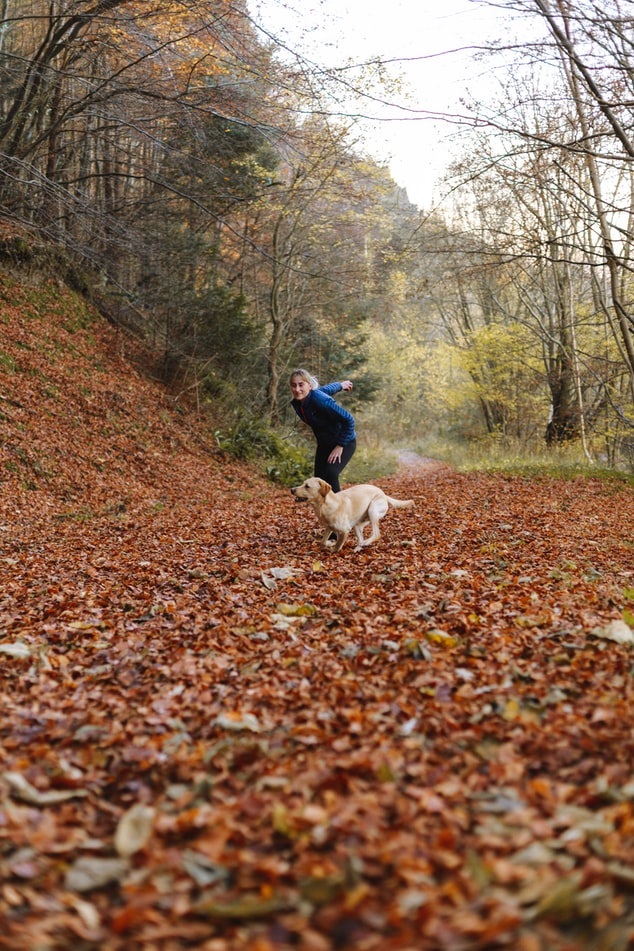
(300,388)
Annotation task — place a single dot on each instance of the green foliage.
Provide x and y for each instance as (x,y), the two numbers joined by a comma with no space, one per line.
(7,363)
(531,469)
(505,377)
(287,463)
(399,403)
(228,160)
(434,389)
(289,466)
(369,463)
(251,440)
(218,326)
(214,335)
(498,454)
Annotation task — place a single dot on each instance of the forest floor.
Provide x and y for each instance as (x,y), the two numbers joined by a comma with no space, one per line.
(215,735)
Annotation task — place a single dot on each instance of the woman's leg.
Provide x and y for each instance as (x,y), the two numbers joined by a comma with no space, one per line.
(330,471)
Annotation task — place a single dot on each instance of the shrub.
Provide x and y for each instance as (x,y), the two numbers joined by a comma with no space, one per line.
(252,440)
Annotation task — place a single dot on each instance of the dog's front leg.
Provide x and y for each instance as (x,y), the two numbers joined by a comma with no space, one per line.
(326,541)
(341,541)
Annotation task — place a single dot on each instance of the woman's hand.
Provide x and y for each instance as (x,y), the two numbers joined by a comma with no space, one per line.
(335,455)
(346,385)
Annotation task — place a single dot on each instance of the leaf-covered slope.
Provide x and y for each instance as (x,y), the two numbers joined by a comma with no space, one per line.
(213,735)
(81,425)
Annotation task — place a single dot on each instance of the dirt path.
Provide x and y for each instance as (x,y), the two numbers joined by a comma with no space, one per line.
(410,460)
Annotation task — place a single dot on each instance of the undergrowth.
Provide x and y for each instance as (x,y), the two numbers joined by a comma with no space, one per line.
(251,440)
(288,459)
(496,455)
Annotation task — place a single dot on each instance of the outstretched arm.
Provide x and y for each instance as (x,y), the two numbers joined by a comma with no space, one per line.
(331,388)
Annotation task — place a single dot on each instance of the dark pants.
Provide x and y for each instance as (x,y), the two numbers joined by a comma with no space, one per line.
(330,471)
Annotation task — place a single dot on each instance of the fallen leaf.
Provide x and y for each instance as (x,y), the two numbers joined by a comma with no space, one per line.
(441,638)
(247,907)
(238,721)
(24,790)
(88,873)
(17,649)
(617,631)
(134,830)
(296,610)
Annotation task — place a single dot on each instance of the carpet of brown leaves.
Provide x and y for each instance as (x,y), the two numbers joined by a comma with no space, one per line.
(214,735)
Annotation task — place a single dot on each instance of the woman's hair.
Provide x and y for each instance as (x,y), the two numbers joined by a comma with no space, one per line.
(308,377)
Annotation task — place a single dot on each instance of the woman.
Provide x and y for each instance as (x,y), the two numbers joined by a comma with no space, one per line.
(332,425)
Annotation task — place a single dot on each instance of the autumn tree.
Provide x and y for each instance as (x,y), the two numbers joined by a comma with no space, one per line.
(308,278)
(595,46)
(160,145)
(549,175)
(121,118)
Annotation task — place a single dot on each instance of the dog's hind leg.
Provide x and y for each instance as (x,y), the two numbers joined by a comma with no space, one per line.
(358,528)
(376,510)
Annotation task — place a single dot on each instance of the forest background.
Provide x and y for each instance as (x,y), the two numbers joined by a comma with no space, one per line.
(209,736)
(213,195)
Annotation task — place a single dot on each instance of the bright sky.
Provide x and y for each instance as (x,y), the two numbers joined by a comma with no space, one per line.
(333,32)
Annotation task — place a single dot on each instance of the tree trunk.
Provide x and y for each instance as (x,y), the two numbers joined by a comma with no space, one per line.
(275,340)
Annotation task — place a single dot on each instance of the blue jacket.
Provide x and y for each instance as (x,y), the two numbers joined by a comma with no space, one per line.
(331,423)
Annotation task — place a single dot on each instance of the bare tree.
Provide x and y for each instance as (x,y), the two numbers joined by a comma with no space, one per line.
(594,45)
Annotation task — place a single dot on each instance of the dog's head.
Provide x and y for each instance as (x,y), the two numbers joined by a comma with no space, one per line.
(312,490)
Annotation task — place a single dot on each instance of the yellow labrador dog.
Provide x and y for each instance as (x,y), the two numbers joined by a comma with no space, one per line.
(352,508)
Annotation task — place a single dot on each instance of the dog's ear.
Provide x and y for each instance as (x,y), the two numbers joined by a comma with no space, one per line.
(324,488)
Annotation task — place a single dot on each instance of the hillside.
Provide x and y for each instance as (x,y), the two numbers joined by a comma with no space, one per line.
(214,736)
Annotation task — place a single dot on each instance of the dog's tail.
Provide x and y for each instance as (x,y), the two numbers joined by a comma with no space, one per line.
(400,503)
